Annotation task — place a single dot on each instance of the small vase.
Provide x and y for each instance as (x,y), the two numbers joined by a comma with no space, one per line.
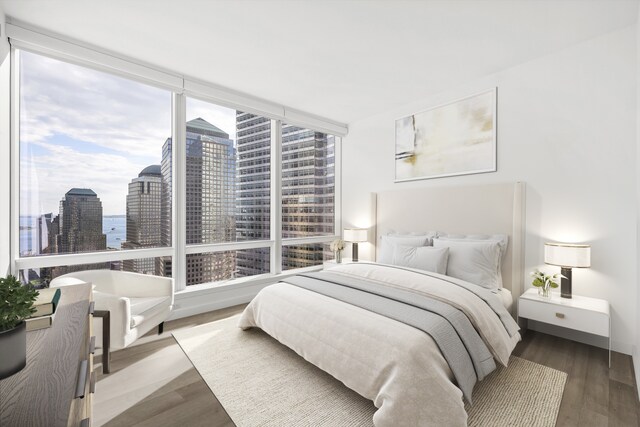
(338,257)
(544,291)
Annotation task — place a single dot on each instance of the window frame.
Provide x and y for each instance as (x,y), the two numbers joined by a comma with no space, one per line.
(179,249)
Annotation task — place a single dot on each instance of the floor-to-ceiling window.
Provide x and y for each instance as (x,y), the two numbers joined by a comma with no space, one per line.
(98,177)
(90,149)
(308,195)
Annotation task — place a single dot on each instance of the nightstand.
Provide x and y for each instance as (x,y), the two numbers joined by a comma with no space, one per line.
(332,262)
(590,315)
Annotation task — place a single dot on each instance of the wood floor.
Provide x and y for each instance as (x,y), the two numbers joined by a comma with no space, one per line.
(594,395)
(154,384)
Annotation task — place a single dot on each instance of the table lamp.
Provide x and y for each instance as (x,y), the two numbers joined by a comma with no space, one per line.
(355,235)
(567,256)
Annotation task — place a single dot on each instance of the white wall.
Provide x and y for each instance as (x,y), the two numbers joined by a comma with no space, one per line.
(566,127)
(636,353)
(4,148)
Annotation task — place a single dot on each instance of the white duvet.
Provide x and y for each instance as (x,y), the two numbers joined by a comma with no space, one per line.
(398,367)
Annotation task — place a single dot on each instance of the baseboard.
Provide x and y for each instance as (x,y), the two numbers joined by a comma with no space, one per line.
(578,336)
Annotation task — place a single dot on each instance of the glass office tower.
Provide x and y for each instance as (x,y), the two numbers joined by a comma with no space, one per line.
(210,201)
(144,204)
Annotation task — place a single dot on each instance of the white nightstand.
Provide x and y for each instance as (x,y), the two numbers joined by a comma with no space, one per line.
(590,315)
(332,262)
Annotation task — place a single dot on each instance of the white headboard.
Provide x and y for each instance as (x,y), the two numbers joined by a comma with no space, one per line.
(481,209)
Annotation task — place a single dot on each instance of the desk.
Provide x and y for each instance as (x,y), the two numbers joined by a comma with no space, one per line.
(56,387)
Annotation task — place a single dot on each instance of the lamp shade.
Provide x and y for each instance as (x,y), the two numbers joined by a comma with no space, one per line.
(567,255)
(355,234)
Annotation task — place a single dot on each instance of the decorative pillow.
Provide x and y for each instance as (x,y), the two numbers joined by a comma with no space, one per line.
(476,262)
(422,257)
(388,245)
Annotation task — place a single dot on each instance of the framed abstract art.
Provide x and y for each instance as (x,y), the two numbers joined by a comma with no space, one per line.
(458,138)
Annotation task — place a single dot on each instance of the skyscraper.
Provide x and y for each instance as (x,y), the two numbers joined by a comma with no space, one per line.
(80,227)
(308,180)
(253,191)
(81,222)
(308,193)
(210,200)
(144,204)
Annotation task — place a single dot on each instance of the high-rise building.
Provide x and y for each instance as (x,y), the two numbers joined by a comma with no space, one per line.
(81,222)
(308,193)
(144,204)
(308,180)
(210,200)
(164,264)
(80,227)
(54,234)
(253,191)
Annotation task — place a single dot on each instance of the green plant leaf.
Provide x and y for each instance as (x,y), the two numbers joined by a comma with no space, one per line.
(16,302)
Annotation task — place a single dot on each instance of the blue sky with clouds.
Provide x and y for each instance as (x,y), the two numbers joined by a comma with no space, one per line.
(84,128)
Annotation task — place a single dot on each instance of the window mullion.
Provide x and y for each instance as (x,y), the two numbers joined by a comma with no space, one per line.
(276,196)
(179,190)
(337,189)
(14,245)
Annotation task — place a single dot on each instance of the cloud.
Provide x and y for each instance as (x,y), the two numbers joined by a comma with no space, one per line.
(57,98)
(84,128)
(46,177)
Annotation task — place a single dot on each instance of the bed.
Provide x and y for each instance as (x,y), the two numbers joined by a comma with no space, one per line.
(413,341)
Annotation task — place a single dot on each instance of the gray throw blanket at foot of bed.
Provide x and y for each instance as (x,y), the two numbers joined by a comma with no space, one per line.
(467,355)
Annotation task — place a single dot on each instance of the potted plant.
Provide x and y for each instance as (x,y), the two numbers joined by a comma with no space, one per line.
(545,282)
(16,304)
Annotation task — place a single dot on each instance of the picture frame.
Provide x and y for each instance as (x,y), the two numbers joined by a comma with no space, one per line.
(451,139)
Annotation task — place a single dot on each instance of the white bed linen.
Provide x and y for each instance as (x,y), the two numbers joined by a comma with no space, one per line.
(506,297)
(397,366)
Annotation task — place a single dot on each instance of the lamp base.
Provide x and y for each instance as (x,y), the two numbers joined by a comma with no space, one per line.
(354,252)
(565,282)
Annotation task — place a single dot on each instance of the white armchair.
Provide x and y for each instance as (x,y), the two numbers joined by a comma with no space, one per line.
(137,302)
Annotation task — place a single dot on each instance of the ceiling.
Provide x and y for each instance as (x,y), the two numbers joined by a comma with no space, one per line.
(343,60)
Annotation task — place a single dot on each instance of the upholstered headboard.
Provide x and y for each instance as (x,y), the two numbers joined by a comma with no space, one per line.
(482,209)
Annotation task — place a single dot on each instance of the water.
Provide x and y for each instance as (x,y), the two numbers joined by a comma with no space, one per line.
(114,227)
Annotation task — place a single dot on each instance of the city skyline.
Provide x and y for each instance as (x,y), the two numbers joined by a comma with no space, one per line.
(82,127)
(227,200)
(111,145)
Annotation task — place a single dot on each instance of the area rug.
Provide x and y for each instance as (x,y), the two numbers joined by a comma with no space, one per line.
(260,382)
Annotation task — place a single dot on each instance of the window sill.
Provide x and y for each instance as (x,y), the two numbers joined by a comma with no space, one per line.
(197,299)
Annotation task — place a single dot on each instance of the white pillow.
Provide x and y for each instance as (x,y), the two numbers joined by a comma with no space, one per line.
(422,257)
(473,261)
(501,239)
(388,245)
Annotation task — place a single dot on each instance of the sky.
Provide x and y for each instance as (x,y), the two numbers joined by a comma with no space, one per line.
(88,129)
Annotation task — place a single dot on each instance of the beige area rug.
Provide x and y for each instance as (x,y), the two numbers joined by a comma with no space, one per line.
(260,382)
